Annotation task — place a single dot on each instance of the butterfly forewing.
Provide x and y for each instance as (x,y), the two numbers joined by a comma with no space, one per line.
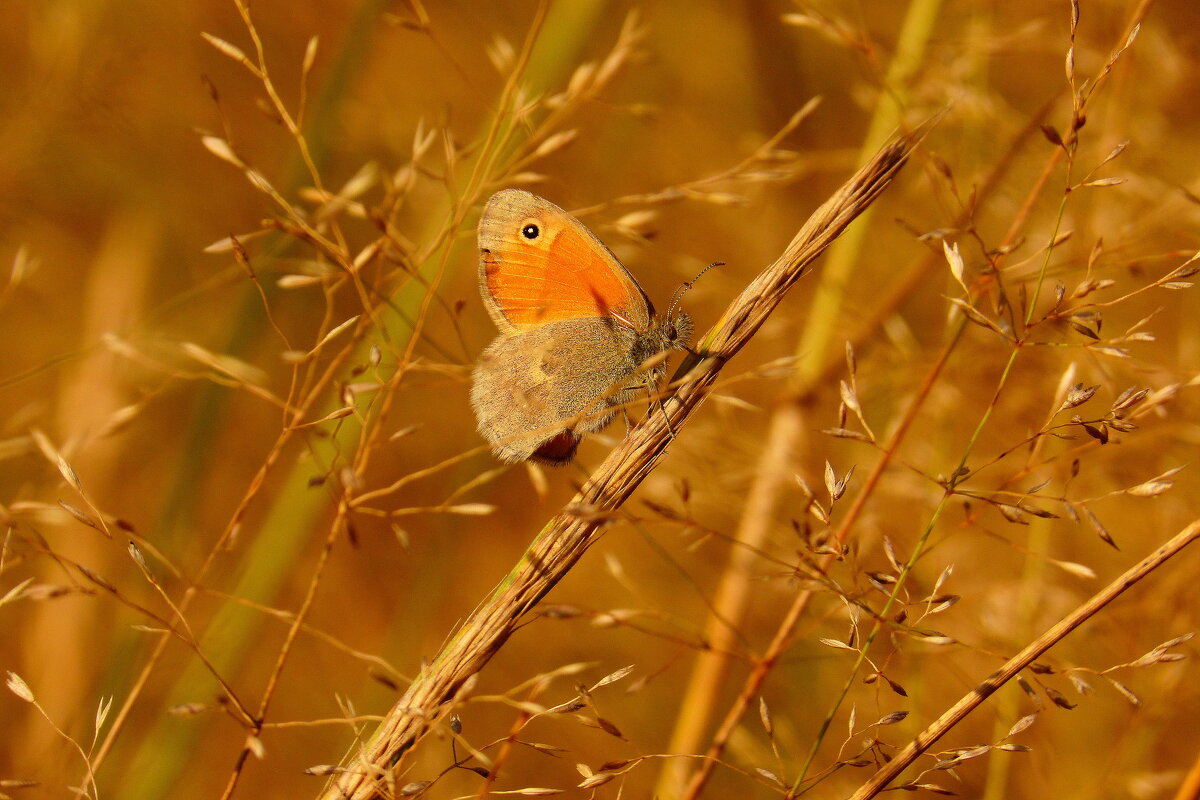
(539,265)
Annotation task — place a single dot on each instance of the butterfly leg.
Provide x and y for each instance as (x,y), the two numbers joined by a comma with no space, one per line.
(652,387)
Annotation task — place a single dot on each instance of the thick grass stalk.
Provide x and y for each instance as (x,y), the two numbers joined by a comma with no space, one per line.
(570,533)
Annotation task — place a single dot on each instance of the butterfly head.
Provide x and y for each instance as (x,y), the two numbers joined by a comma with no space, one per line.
(677,331)
(677,328)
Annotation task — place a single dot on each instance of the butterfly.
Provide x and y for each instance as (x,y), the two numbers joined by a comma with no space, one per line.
(576,331)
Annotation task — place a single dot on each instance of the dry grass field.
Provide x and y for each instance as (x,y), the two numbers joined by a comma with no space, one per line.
(247,519)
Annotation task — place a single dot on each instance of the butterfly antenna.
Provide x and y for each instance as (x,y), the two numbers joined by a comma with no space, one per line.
(682,290)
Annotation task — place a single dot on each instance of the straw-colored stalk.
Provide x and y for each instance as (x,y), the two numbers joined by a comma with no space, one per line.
(569,534)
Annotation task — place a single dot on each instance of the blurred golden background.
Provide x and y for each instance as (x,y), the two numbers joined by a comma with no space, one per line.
(267,462)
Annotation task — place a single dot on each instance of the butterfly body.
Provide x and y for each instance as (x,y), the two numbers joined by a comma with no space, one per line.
(576,331)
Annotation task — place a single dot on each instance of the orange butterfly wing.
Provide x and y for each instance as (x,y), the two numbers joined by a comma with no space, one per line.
(538,265)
